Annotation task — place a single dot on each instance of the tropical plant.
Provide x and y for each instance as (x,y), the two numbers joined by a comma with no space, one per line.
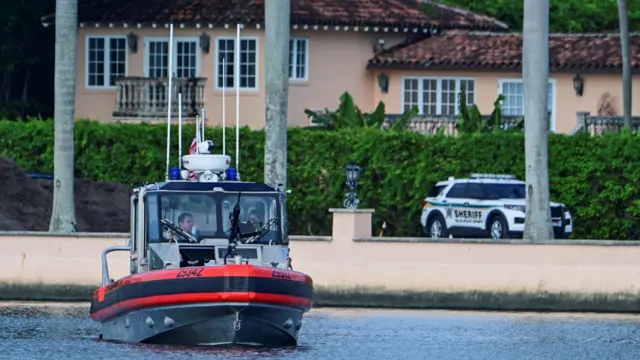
(348,115)
(471,119)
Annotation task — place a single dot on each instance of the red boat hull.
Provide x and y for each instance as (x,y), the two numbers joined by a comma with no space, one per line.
(211,284)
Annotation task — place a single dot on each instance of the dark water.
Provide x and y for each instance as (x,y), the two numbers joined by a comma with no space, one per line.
(64,331)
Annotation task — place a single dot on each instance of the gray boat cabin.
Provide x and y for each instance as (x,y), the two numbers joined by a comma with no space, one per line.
(190,222)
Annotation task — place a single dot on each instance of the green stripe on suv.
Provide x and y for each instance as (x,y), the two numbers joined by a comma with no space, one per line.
(472,206)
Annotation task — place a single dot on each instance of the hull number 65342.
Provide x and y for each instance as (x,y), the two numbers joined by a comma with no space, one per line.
(190,272)
(280,275)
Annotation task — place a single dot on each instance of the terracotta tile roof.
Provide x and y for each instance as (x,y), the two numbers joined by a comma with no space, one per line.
(450,17)
(483,50)
(400,13)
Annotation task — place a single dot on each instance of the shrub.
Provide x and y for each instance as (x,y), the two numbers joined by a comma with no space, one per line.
(598,178)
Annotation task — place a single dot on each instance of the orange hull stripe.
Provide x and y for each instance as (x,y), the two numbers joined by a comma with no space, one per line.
(207,271)
(182,299)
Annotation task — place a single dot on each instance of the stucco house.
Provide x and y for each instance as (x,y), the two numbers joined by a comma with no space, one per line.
(403,52)
(582,68)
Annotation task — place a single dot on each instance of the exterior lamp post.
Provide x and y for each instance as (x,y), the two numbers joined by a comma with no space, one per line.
(353,174)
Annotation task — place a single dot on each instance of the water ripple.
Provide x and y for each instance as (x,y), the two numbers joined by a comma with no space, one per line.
(64,331)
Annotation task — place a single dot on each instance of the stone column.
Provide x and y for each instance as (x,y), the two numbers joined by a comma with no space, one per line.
(351,223)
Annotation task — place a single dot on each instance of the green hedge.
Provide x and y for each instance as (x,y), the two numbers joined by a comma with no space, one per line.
(597,177)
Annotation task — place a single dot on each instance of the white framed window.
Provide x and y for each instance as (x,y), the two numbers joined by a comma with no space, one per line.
(105,60)
(186,57)
(298,59)
(513,104)
(435,95)
(225,54)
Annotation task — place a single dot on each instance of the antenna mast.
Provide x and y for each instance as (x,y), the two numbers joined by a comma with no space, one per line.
(198,137)
(237,83)
(170,73)
(203,122)
(180,130)
(224,106)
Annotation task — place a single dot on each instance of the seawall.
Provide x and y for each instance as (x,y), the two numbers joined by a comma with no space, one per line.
(351,268)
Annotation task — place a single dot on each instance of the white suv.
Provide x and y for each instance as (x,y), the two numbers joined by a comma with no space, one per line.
(484,205)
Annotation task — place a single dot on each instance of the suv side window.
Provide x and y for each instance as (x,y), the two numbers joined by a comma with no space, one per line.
(475,191)
(458,191)
(436,190)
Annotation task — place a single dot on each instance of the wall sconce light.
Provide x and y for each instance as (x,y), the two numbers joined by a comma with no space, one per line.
(204,42)
(578,84)
(132,41)
(383,82)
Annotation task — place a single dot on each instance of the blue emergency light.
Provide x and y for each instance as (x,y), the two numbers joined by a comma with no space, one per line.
(174,174)
(232,174)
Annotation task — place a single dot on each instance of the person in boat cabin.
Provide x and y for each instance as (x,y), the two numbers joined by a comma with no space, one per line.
(185,222)
(256,216)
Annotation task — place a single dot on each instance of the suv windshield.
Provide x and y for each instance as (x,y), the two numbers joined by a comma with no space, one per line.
(504,191)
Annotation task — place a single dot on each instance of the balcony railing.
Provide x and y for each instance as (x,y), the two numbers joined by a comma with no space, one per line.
(146,98)
(593,125)
(598,125)
(431,124)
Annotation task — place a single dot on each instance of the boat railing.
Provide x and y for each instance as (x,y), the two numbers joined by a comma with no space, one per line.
(106,280)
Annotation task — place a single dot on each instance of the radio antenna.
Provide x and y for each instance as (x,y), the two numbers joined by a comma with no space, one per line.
(180,130)
(169,72)
(203,122)
(224,106)
(237,83)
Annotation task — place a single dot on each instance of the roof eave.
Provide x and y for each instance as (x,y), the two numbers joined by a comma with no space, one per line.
(405,65)
(475,27)
(400,28)
(375,26)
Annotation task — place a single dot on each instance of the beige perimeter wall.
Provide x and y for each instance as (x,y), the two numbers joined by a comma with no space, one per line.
(352,268)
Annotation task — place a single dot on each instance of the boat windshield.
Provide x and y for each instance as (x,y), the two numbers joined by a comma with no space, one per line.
(207,215)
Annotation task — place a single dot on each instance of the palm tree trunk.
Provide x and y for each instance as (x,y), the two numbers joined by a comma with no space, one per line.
(63,217)
(25,93)
(623,15)
(277,25)
(535,73)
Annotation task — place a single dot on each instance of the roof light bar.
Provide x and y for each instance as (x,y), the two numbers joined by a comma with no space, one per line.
(493,176)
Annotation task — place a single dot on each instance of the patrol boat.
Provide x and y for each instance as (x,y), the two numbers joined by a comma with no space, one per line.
(227,280)
(209,259)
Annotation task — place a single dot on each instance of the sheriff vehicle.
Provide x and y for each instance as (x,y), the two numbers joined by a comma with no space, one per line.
(484,205)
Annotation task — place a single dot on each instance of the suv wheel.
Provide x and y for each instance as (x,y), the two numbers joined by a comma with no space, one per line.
(437,227)
(498,228)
